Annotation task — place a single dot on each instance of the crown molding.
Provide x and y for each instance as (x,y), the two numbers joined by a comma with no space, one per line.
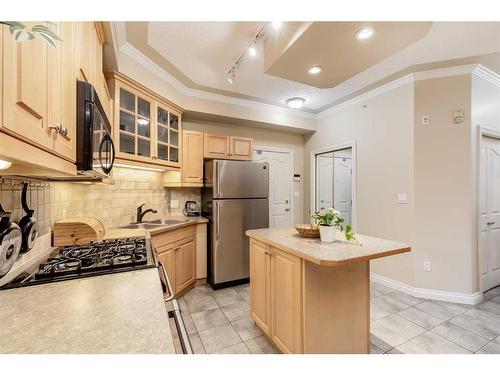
(132,52)
(445,72)
(367,95)
(487,74)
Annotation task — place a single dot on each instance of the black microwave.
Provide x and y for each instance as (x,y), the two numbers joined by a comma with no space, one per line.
(95,152)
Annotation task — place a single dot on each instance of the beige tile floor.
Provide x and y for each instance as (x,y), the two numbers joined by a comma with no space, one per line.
(218,321)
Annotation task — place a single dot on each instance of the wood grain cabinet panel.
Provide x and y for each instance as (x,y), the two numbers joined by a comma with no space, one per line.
(241,148)
(260,278)
(176,249)
(286,303)
(165,255)
(192,157)
(25,89)
(185,264)
(216,146)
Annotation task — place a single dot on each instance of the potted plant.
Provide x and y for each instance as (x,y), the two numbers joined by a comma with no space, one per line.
(329,222)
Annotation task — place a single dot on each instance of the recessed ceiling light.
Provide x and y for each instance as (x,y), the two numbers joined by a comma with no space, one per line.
(315,69)
(252,50)
(277,25)
(295,103)
(365,33)
(4,164)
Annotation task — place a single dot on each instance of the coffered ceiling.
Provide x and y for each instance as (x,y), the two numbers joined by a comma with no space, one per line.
(199,55)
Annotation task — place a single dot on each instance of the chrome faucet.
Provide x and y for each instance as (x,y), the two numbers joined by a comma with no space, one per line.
(141,214)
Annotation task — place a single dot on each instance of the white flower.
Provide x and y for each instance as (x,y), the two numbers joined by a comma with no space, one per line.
(20,35)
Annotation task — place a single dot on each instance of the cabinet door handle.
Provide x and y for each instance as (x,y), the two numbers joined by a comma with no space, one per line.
(60,129)
(491,223)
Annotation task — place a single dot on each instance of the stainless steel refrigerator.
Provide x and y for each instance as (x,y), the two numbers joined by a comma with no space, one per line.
(234,199)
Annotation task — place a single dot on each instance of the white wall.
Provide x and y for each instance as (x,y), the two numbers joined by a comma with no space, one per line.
(383,132)
(443,206)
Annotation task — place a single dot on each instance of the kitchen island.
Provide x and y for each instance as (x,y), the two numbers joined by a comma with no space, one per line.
(309,296)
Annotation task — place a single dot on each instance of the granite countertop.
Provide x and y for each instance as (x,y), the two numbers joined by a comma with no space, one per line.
(337,253)
(117,313)
(114,233)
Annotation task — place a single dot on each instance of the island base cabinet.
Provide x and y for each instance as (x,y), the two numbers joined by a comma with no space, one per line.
(337,308)
(306,308)
(276,281)
(260,282)
(286,304)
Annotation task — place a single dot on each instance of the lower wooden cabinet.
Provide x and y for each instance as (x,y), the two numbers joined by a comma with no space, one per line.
(260,277)
(176,250)
(276,299)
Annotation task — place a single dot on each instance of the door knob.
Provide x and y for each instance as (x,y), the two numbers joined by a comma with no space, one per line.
(286,201)
(287,209)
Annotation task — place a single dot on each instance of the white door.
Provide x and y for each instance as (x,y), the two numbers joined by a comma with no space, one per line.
(325,182)
(342,172)
(490,212)
(280,186)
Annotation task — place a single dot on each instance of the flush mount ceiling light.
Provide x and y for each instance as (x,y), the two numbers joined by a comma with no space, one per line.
(277,25)
(315,69)
(142,121)
(4,164)
(365,33)
(295,103)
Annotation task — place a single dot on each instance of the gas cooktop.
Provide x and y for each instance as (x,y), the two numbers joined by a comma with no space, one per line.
(98,258)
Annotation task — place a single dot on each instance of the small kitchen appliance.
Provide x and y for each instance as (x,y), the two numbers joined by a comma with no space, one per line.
(10,242)
(28,224)
(191,209)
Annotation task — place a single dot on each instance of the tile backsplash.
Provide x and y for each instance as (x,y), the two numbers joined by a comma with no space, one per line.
(114,205)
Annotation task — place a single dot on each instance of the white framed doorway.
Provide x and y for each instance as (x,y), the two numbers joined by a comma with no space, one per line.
(488,215)
(333,180)
(281,210)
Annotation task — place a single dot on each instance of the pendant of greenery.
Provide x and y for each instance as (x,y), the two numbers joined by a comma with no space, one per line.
(333,218)
(21,32)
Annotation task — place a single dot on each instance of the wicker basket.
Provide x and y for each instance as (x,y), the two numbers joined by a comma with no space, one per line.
(307,230)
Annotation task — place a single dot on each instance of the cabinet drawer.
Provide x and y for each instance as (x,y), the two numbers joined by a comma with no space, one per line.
(169,237)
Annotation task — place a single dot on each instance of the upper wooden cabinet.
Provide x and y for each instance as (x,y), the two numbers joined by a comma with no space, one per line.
(240,148)
(192,157)
(39,94)
(218,146)
(147,128)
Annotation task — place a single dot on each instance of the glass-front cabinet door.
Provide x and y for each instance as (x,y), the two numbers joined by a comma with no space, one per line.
(168,135)
(147,129)
(135,125)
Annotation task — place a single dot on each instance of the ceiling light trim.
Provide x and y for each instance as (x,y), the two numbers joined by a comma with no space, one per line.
(136,55)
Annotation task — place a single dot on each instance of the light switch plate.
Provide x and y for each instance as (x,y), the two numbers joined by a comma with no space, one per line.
(427,266)
(174,203)
(402,198)
(426,120)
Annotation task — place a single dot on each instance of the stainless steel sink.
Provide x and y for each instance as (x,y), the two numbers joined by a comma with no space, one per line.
(154,224)
(167,221)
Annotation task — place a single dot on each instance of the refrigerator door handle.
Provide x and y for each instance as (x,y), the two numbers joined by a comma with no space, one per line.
(217,219)
(217,179)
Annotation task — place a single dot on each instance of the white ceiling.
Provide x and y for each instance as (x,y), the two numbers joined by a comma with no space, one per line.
(204,51)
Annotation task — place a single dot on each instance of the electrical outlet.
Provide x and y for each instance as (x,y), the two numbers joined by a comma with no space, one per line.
(427,266)
(426,120)
(174,203)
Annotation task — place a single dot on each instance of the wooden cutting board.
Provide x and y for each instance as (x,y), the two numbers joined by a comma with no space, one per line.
(77,231)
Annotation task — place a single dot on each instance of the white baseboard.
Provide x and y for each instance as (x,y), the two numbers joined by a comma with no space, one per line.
(435,294)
